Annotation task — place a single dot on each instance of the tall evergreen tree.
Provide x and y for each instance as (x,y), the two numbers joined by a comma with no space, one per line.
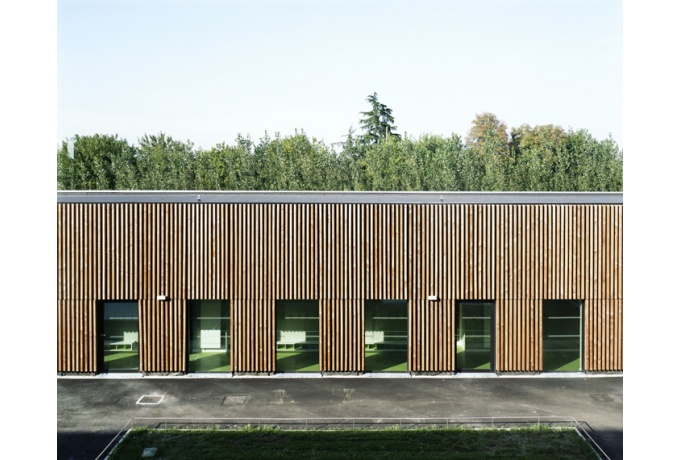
(378,122)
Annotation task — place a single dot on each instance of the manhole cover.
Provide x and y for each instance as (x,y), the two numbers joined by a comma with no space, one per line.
(235,399)
(150,399)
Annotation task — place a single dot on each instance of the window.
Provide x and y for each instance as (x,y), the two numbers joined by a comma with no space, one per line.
(209,336)
(386,335)
(474,336)
(119,337)
(297,335)
(562,335)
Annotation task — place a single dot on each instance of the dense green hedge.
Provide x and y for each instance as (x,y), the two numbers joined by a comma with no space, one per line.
(542,158)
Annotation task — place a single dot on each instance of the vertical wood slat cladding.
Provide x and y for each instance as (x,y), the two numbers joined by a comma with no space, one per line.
(475,252)
(518,333)
(162,336)
(253,335)
(207,230)
(558,252)
(385,250)
(76,338)
(431,336)
(97,251)
(603,333)
(295,250)
(432,259)
(342,335)
(341,254)
(249,258)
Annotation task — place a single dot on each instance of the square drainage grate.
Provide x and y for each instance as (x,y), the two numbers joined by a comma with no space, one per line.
(149,452)
(150,399)
(235,400)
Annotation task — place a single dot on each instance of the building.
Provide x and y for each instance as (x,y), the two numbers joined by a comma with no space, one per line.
(339,282)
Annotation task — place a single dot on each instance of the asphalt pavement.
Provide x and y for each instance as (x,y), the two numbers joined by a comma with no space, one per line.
(91,411)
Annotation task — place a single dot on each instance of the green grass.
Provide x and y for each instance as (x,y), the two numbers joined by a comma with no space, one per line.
(393,444)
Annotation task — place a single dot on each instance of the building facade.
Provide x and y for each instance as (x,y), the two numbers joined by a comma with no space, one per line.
(339,282)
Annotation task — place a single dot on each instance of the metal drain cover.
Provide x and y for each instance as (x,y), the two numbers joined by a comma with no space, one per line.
(235,400)
(150,399)
(149,452)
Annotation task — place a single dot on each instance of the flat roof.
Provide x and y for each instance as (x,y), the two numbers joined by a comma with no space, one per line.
(321,197)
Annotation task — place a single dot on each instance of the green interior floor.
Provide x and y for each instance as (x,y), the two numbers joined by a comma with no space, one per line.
(297,361)
(308,361)
(561,362)
(386,361)
(121,360)
(209,361)
(473,360)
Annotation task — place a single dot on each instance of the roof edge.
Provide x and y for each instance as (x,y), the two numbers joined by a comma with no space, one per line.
(327,197)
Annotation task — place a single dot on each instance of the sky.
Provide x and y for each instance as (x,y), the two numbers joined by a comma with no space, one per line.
(207,71)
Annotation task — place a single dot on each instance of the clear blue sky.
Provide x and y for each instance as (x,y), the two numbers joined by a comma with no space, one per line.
(206,71)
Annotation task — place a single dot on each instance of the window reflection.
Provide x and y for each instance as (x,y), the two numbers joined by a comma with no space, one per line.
(562,335)
(209,336)
(120,336)
(297,335)
(474,339)
(386,335)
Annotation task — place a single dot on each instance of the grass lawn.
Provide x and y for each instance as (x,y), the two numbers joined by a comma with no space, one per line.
(393,444)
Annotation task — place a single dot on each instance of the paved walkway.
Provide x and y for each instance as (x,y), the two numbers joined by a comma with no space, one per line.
(91,410)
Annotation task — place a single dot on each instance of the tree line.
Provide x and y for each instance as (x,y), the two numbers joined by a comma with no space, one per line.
(489,158)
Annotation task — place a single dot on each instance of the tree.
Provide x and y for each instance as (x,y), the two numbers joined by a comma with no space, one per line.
(488,129)
(536,151)
(164,163)
(225,167)
(586,164)
(488,140)
(378,122)
(94,165)
(441,160)
(542,136)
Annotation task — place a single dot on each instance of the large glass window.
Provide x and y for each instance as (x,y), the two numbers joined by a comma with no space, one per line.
(209,339)
(474,336)
(119,337)
(562,335)
(297,335)
(386,335)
